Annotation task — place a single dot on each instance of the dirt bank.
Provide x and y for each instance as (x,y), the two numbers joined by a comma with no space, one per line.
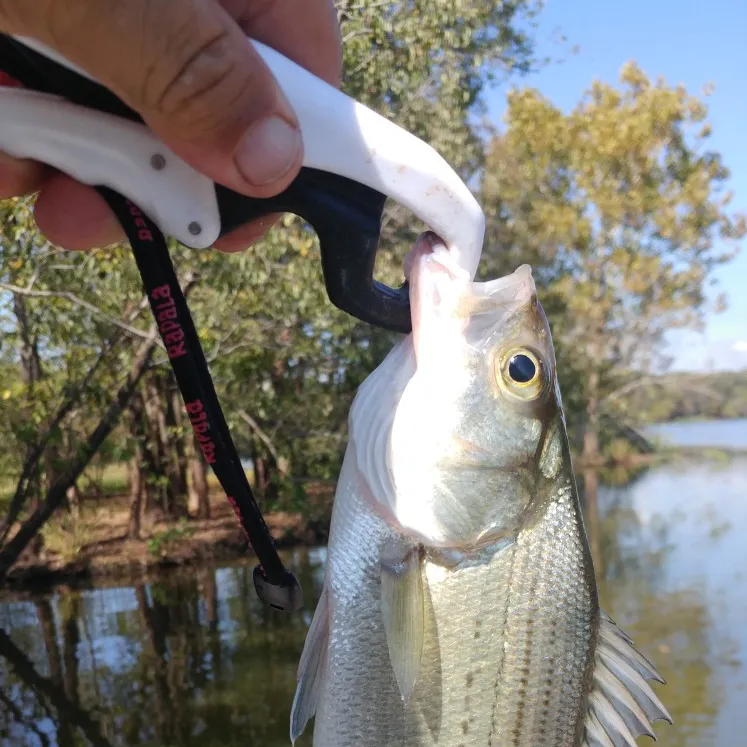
(96,544)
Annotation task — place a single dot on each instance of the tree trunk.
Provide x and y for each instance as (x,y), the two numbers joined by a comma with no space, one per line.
(136,495)
(210,594)
(56,496)
(178,455)
(260,472)
(54,663)
(170,460)
(139,467)
(591,430)
(72,496)
(70,641)
(155,646)
(155,445)
(20,664)
(593,525)
(31,370)
(199,497)
(31,373)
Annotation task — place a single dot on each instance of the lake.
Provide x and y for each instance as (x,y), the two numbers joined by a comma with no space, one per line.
(727,434)
(192,658)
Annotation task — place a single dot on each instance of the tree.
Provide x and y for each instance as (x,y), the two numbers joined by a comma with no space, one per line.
(285,362)
(623,214)
(282,354)
(56,493)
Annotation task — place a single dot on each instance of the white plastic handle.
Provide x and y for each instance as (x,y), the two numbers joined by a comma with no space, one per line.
(340,136)
(101,149)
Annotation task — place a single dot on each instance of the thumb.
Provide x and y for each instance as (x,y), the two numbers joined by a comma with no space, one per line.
(189,70)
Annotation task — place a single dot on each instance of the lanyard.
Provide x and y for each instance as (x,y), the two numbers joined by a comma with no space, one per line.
(274,583)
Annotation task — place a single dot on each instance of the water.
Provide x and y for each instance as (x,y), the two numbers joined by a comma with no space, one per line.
(192,658)
(728,434)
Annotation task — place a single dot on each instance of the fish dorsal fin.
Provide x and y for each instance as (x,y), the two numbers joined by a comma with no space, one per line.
(403,612)
(372,417)
(621,704)
(310,669)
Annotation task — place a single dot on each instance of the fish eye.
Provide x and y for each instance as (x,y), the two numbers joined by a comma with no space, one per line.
(520,374)
(522,369)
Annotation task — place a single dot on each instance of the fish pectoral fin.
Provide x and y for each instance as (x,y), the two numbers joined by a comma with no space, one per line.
(403,611)
(622,704)
(311,669)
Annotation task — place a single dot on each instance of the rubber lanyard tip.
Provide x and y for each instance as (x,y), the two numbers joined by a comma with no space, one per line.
(286,596)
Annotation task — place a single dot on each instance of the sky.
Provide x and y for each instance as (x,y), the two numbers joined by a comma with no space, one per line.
(688,42)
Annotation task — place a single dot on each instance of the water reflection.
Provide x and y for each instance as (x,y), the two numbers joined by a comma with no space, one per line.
(673,558)
(193,658)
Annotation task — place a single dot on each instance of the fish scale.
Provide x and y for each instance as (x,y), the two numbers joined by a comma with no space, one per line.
(496,683)
(548,648)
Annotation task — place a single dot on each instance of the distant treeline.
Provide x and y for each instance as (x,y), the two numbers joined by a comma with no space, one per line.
(684,396)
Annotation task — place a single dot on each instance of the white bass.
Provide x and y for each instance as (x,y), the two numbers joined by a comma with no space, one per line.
(459,606)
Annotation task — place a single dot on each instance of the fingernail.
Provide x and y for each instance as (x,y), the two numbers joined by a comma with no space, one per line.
(268,151)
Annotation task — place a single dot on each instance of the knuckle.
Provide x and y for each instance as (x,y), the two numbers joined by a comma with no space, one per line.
(45,18)
(9,14)
(207,88)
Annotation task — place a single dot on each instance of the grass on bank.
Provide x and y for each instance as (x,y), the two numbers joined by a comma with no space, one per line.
(108,482)
(106,498)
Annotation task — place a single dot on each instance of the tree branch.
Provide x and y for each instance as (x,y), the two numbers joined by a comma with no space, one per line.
(24,668)
(73,398)
(56,494)
(74,395)
(77,301)
(264,438)
(18,716)
(625,389)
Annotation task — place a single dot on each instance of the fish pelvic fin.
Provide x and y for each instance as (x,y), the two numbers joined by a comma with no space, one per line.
(311,669)
(403,612)
(621,704)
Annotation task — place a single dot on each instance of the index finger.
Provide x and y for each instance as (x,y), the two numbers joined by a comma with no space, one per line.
(305,31)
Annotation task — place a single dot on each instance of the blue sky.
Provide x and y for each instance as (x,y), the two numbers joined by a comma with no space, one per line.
(688,42)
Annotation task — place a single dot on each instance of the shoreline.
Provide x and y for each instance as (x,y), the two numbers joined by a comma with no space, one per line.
(182,543)
(169,544)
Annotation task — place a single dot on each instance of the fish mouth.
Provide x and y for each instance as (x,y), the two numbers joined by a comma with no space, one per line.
(521,276)
(504,294)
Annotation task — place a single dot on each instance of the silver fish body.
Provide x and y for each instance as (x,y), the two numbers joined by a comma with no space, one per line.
(459,606)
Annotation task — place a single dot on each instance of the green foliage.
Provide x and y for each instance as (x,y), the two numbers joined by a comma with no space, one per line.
(67,535)
(687,396)
(279,352)
(623,214)
(618,206)
(160,541)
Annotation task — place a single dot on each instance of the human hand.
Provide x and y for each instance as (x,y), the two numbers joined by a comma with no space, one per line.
(187,68)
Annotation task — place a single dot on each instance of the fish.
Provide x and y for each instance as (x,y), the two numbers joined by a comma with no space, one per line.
(459,606)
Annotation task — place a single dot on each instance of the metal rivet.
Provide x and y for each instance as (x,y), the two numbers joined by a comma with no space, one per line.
(158,162)
(194,228)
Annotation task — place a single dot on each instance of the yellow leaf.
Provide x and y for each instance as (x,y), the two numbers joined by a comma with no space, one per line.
(6,394)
